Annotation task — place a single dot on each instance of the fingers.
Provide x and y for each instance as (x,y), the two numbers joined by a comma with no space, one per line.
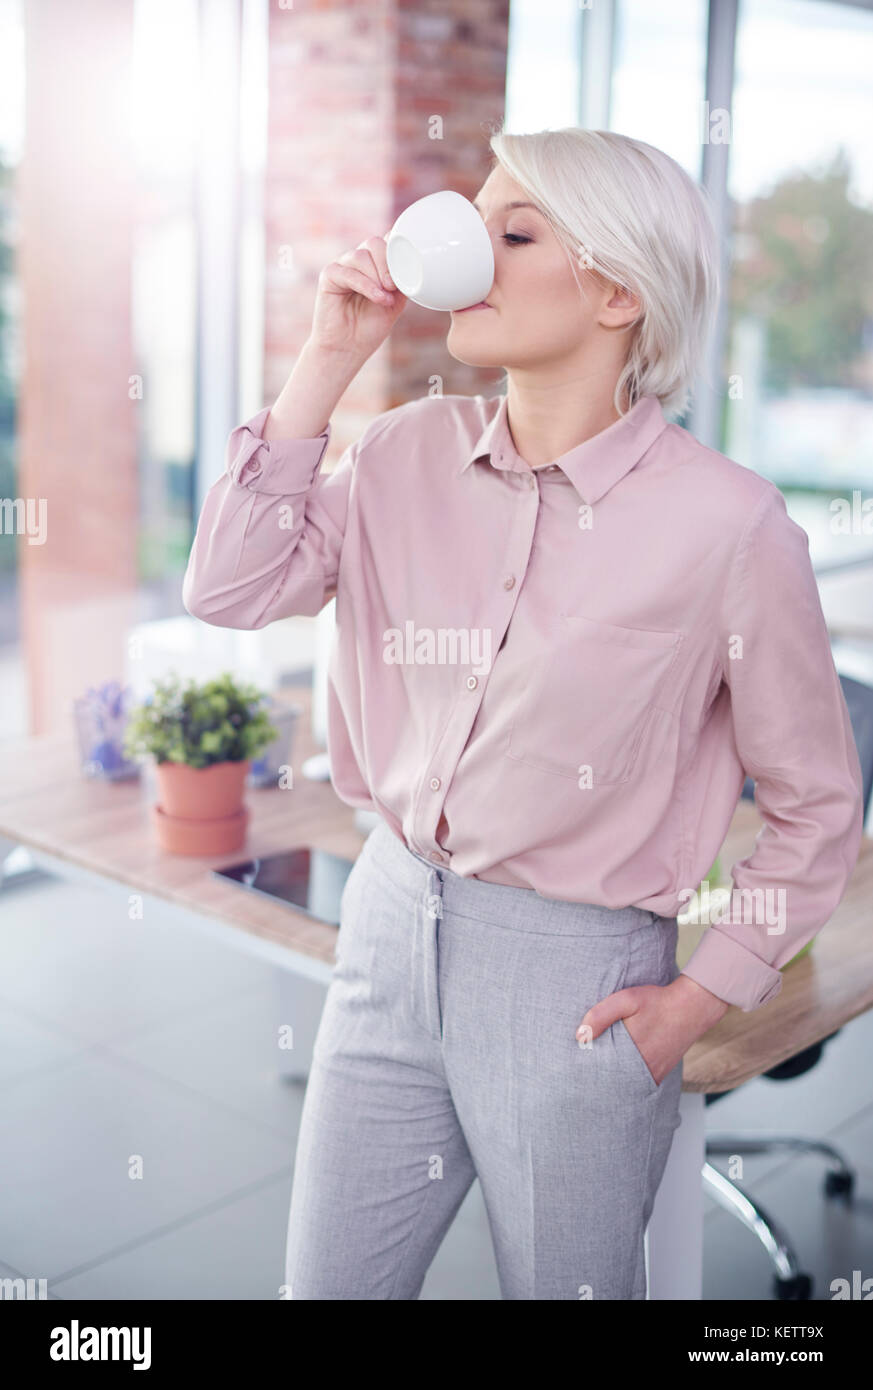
(379,251)
(342,276)
(371,256)
(602,1015)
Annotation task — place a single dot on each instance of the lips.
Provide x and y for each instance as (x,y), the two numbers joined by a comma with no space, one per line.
(483,304)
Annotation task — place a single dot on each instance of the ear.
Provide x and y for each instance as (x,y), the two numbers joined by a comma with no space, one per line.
(618,307)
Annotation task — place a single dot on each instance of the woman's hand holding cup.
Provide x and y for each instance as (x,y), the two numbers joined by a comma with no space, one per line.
(357,303)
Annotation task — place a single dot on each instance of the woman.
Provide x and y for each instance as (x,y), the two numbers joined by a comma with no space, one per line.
(566,630)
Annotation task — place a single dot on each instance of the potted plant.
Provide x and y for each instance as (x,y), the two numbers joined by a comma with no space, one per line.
(202,737)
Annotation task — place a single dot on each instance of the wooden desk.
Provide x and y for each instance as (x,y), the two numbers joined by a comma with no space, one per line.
(827,987)
(101,831)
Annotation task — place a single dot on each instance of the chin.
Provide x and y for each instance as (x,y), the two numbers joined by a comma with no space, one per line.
(473,356)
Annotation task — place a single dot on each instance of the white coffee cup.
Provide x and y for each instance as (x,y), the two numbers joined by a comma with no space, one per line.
(439,252)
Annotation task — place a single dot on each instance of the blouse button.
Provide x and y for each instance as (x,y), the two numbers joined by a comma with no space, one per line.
(436,856)
(254,468)
(509,581)
(435,784)
(472,682)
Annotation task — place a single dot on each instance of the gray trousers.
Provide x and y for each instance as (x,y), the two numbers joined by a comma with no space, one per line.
(446,1052)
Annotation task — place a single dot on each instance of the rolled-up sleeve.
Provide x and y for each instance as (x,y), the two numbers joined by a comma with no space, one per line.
(794,737)
(270,530)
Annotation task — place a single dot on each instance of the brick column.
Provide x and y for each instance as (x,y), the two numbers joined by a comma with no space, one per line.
(77,440)
(371,107)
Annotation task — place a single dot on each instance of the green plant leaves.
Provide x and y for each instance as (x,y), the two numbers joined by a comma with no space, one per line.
(220,720)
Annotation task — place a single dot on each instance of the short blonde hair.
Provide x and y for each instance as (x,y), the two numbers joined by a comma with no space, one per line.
(627,210)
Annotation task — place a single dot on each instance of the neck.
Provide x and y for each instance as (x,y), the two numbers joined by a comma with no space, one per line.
(548,417)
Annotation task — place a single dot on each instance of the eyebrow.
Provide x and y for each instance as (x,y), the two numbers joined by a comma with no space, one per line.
(507,206)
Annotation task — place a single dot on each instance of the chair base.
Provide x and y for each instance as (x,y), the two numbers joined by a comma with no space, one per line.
(790,1283)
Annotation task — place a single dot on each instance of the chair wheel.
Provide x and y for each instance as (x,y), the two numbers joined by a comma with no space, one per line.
(795,1290)
(839,1184)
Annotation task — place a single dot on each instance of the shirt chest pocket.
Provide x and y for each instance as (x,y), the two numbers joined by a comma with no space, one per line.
(591,696)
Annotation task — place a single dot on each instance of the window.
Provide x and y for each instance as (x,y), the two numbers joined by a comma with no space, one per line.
(799,354)
(164,129)
(542,67)
(659,76)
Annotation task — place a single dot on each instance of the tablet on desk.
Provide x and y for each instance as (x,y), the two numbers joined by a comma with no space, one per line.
(311,880)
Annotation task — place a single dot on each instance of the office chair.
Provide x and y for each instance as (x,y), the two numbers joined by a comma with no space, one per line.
(790,1282)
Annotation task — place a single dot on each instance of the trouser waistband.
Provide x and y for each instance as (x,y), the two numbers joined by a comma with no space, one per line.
(523,908)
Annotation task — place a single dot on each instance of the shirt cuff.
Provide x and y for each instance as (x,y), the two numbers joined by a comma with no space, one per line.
(732,972)
(282,467)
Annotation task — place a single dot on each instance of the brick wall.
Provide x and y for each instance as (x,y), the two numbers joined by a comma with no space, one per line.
(356,93)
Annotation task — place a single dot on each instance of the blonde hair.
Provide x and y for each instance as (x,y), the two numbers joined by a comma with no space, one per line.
(628,211)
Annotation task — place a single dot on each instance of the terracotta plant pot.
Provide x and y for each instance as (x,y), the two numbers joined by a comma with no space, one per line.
(201,810)
(205,838)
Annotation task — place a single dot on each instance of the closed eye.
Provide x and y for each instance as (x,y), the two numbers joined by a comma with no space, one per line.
(512,240)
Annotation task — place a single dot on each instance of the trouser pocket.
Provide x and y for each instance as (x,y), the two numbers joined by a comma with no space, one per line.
(651,960)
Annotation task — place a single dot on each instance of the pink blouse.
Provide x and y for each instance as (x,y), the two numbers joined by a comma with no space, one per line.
(556,678)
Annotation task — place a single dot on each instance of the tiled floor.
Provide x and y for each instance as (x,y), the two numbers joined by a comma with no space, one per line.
(127,1042)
